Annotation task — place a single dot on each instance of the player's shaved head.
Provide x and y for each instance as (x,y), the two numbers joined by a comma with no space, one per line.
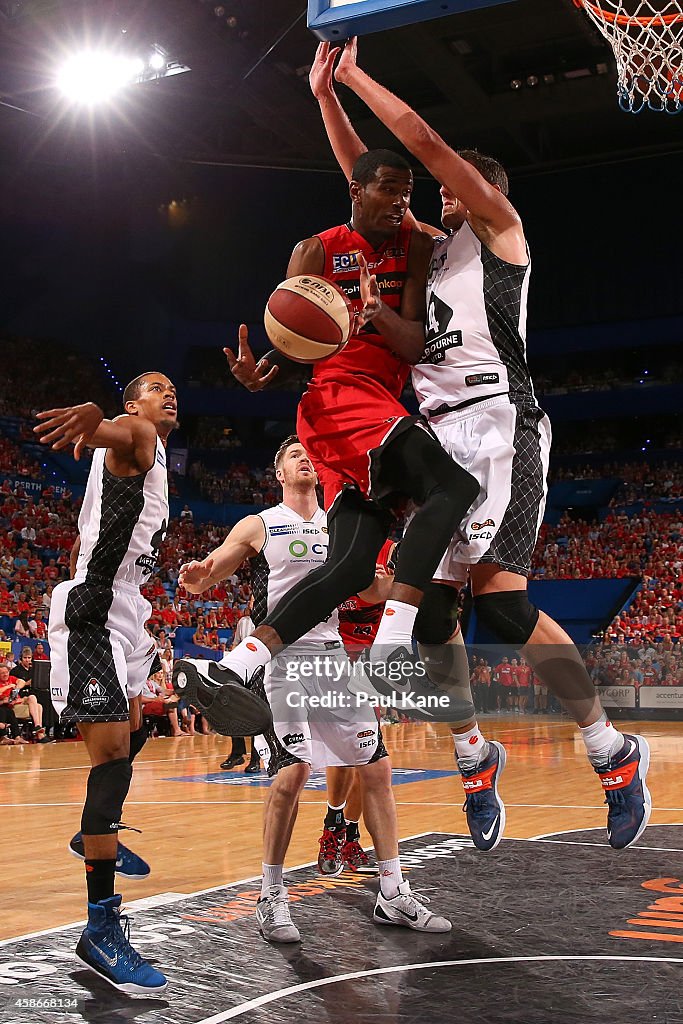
(368,163)
(133,390)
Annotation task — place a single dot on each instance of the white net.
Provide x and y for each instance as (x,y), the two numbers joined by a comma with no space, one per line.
(647,39)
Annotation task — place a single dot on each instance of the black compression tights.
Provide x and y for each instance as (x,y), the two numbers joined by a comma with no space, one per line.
(416,464)
(357,531)
(413,465)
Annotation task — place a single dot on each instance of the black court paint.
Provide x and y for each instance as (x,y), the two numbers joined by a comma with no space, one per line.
(532,942)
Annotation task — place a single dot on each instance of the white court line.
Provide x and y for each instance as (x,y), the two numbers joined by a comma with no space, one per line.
(399,803)
(82,767)
(596,828)
(202,892)
(307,986)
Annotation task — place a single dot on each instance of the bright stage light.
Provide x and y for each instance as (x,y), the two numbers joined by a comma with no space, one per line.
(96,76)
(157,61)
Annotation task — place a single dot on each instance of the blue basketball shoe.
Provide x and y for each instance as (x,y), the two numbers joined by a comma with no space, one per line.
(128,864)
(483,806)
(105,948)
(627,796)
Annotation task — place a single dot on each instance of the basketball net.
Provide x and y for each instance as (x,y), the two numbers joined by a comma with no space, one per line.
(647,39)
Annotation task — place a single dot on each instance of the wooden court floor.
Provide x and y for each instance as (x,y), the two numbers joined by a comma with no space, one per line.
(197,834)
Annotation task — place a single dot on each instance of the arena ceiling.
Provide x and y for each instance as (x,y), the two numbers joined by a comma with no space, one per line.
(246,100)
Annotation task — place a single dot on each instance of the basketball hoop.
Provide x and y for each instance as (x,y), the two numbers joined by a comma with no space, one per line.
(647,39)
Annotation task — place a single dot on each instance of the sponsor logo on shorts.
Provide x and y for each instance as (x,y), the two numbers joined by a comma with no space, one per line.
(94,694)
(365,743)
(364,733)
(252,647)
(473,379)
(292,738)
(146,562)
(480,531)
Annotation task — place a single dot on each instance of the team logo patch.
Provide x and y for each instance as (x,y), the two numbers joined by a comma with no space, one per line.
(94,694)
(344,262)
(482,526)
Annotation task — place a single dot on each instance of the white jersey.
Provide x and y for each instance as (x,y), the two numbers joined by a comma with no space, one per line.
(122,522)
(476,326)
(293,546)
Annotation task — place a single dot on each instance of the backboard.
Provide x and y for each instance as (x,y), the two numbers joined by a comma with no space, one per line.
(336,20)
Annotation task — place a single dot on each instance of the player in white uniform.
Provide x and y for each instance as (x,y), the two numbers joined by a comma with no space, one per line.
(474,387)
(284,544)
(99,649)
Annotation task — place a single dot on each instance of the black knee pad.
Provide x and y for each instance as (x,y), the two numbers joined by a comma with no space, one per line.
(138,738)
(108,786)
(437,616)
(509,614)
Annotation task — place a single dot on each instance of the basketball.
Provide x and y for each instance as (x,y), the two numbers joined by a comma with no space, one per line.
(308,318)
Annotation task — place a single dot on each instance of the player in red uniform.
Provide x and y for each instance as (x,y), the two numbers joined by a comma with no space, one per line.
(368,452)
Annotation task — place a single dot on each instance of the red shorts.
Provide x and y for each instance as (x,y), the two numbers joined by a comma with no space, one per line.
(342,424)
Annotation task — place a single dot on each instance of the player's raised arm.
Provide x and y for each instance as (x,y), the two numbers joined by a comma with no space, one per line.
(85,426)
(245,540)
(343,138)
(346,144)
(484,201)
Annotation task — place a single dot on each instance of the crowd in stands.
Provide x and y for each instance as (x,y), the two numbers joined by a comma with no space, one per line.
(639,481)
(13,460)
(239,485)
(212,432)
(64,373)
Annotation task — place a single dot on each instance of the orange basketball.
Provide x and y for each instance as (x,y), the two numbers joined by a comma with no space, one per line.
(308,318)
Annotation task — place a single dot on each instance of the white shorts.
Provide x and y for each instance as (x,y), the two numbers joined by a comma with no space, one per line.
(506,448)
(342,735)
(101,654)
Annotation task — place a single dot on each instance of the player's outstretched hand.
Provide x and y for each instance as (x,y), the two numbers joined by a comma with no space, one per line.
(369,291)
(194,575)
(244,368)
(320,77)
(75,425)
(348,62)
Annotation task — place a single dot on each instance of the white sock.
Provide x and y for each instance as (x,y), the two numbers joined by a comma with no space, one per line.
(602,740)
(390,877)
(396,625)
(248,656)
(272,875)
(470,746)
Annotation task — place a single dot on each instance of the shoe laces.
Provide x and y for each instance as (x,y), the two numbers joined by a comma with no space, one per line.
(354,853)
(476,803)
(615,800)
(118,933)
(329,845)
(277,908)
(418,895)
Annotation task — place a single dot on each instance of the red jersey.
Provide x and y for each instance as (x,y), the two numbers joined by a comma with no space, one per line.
(352,403)
(366,352)
(503,674)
